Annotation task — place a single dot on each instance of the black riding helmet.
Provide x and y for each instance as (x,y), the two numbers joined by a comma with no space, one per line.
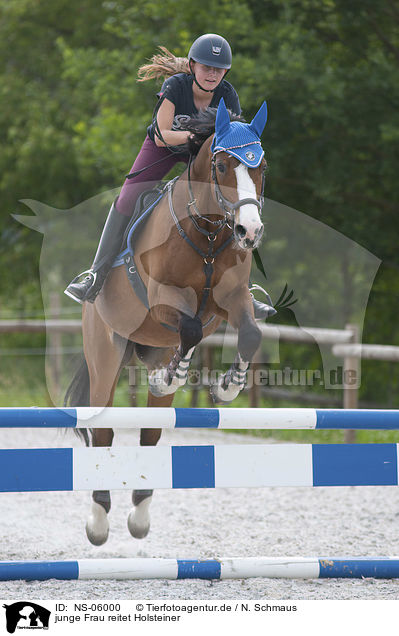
(212,50)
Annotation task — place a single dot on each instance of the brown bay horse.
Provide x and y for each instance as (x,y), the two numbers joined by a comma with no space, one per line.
(194,256)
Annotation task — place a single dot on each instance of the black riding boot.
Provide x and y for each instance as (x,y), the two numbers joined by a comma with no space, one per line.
(108,249)
(262,310)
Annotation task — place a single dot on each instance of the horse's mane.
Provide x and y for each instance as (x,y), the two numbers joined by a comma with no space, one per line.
(202,126)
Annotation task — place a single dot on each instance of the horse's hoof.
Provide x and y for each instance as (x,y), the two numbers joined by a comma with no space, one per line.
(138,531)
(216,399)
(97,526)
(224,396)
(158,391)
(96,538)
(160,384)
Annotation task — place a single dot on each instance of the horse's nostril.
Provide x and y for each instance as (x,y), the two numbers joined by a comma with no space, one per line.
(240,231)
(259,232)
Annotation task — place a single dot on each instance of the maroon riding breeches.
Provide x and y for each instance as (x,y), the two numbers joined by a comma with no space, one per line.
(132,188)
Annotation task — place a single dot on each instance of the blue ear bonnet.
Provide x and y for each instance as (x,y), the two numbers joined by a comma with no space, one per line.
(240,140)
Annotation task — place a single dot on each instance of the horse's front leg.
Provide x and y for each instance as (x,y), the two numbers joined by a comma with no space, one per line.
(166,380)
(241,317)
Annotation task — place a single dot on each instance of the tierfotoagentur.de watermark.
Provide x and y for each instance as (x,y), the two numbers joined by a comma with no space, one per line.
(285,376)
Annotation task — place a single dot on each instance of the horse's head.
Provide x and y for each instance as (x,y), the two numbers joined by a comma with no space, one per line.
(238,167)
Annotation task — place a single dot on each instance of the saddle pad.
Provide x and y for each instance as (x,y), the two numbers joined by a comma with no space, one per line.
(147,202)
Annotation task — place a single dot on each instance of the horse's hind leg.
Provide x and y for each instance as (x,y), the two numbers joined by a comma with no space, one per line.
(105,361)
(139,518)
(97,525)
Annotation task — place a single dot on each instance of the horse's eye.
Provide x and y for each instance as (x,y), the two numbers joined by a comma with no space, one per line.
(221,167)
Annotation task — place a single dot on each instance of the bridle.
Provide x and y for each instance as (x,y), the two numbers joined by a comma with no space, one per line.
(228,207)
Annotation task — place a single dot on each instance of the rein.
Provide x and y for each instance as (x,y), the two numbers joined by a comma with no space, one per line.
(192,204)
(208,257)
(228,221)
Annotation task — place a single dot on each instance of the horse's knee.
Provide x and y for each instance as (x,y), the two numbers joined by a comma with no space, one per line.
(190,330)
(249,339)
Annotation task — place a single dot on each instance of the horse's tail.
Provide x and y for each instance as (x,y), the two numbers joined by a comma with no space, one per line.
(78,394)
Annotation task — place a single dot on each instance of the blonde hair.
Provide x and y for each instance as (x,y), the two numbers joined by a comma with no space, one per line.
(163,65)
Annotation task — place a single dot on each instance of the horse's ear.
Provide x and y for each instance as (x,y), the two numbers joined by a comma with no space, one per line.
(259,121)
(222,123)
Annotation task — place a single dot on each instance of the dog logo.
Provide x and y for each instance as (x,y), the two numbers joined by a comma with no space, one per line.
(26,615)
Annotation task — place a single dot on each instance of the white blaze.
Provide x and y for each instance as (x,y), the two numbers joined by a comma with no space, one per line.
(248,214)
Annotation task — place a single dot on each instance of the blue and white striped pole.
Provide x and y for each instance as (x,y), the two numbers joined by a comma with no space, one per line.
(223,418)
(210,569)
(224,466)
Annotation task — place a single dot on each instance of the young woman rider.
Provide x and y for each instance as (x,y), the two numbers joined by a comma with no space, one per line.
(193,84)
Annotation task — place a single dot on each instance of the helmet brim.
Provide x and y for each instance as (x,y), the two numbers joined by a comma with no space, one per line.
(206,63)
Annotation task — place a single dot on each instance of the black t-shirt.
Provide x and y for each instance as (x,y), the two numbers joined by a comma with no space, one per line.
(178,89)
